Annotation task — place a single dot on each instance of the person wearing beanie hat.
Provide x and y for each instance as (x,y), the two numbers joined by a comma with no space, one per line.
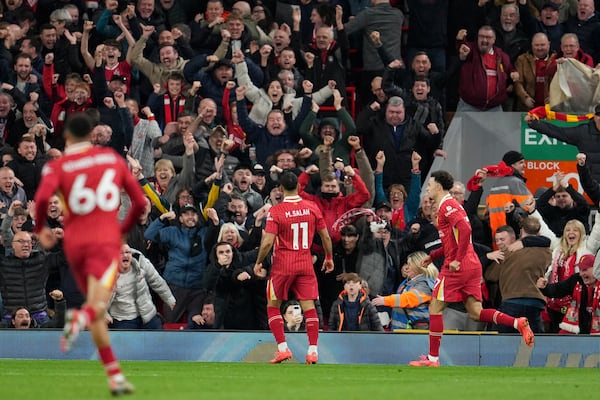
(508,188)
(512,157)
(583,311)
(327,135)
(331,123)
(259,180)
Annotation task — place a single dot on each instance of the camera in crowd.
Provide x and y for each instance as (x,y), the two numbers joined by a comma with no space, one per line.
(514,215)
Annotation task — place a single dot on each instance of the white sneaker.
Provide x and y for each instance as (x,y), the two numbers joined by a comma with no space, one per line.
(74,323)
(120,388)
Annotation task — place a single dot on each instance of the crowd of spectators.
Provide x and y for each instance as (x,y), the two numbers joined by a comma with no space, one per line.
(211,100)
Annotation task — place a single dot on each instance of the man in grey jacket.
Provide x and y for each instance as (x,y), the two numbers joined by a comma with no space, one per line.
(385,19)
(131,305)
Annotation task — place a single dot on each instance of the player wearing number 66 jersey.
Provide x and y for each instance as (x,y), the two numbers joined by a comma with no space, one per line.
(291,227)
(89,180)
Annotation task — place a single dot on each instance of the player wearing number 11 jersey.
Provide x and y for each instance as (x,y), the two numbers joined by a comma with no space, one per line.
(89,180)
(291,226)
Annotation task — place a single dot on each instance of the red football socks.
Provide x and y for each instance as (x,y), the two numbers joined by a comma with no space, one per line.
(495,316)
(276,324)
(436,330)
(90,314)
(111,365)
(312,326)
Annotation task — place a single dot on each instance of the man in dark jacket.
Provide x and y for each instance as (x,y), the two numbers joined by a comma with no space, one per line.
(567,204)
(23,279)
(28,164)
(110,101)
(397,136)
(21,317)
(275,135)
(586,25)
(234,286)
(585,136)
(345,258)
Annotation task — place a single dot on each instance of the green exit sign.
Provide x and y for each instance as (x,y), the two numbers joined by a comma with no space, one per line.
(536,146)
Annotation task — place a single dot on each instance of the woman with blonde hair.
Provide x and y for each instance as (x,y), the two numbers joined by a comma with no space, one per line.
(572,246)
(230,234)
(410,304)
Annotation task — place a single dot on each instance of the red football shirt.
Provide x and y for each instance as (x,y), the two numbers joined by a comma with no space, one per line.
(454,229)
(89,181)
(123,68)
(294,222)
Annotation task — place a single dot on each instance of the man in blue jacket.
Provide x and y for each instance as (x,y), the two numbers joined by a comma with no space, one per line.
(184,271)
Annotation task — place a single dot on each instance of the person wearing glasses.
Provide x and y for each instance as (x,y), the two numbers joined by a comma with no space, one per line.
(23,278)
(485,74)
(184,197)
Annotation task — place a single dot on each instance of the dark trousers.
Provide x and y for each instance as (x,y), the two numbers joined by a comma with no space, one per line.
(533,314)
(189,301)
(138,323)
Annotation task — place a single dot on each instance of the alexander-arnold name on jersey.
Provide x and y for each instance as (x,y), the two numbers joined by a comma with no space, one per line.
(87,162)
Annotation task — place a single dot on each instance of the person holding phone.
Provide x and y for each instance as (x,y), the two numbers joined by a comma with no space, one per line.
(292,316)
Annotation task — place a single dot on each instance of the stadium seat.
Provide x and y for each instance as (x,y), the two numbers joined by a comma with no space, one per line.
(350,101)
(174,326)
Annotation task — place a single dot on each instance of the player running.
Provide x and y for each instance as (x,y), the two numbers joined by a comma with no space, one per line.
(460,277)
(89,180)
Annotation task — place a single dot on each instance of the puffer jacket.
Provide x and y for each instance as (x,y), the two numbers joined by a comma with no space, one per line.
(132,300)
(23,282)
(368,319)
(182,269)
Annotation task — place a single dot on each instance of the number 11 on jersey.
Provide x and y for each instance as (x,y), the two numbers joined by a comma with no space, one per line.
(300,231)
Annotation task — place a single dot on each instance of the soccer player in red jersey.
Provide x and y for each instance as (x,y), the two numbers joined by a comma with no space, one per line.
(291,226)
(460,277)
(89,180)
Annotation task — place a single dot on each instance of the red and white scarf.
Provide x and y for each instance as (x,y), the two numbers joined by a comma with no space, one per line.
(562,268)
(570,323)
(171,113)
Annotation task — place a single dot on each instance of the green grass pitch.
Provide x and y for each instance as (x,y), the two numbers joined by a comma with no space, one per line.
(65,380)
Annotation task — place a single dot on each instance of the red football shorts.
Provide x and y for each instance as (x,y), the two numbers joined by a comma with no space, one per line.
(305,287)
(100,261)
(453,287)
